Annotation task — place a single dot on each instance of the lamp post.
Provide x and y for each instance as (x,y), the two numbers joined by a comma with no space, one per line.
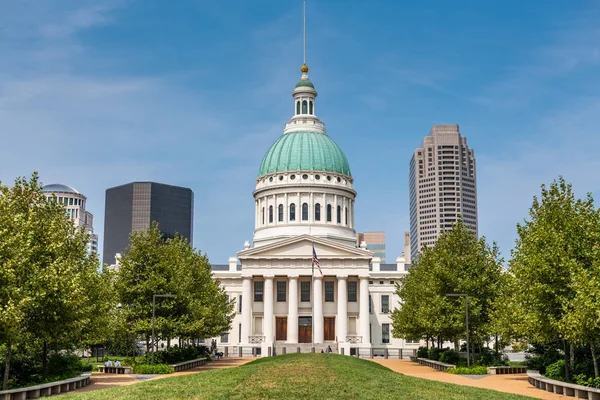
(466,296)
(153,314)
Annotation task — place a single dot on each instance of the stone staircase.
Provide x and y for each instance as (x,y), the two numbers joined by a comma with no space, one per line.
(304,347)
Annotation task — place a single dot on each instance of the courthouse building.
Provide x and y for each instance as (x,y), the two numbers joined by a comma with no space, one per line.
(305,199)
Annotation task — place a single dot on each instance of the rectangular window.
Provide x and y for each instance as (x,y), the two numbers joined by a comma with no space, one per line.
(281,291)
(258,325)
(225,338)
(70,201)
(385,304)
(352,297)
(239,333)
(305,291)
(370,307)
(240,304)
(385,333)
(329,291)
(258,291)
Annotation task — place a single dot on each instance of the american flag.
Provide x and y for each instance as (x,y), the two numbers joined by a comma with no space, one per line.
(316,260)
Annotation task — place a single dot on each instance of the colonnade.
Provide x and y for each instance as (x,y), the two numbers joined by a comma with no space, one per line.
(293,313)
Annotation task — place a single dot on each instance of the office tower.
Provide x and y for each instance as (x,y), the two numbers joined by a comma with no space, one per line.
(134,206)
(375,242)
(442,186)
(74,203)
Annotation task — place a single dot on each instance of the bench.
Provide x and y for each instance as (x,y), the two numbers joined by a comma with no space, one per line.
(46,389)
(440,366)
(504,369)
(182,366)
(114,370)
(564,388)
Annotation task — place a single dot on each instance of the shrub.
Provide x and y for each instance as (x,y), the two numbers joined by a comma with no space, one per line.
(434,353)
(556,371)
(422,352)
(487,357)
(152,369)
(479,370)
(544,356)
(450,357)
(85,367)
(583,380)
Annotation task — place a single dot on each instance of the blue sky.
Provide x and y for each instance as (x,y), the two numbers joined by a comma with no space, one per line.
(98,93)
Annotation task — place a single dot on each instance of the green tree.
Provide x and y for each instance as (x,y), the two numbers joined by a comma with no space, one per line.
(458,263)
(557,243)
(157,265)
(44,271)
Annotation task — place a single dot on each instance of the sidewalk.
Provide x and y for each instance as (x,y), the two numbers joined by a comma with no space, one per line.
(103,381)
(516,383)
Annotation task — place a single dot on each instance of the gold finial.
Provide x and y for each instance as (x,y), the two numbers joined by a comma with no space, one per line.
(304,68)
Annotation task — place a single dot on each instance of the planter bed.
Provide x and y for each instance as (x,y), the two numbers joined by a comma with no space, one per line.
(440,366)
(46,389)
(564,388)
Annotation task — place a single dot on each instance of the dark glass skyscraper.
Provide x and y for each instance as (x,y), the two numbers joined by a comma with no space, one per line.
(134,206)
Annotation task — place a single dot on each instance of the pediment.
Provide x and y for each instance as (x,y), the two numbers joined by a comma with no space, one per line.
(300,247)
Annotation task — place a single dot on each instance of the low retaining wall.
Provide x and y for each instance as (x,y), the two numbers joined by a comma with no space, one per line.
(504,369)
(440,366)
(115,370)
(558,387)
(182,366)
(47,389)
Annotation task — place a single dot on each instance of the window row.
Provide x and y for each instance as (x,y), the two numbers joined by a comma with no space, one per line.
(67,201)
(305,106)
(304,292)
(304,216)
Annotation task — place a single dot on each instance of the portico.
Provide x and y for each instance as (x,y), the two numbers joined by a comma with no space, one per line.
(286,303)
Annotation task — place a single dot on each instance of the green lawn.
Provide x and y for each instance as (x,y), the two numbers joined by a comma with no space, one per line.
(297,376)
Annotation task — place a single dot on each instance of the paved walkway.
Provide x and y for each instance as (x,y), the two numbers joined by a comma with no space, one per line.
(101,380)
(516,383)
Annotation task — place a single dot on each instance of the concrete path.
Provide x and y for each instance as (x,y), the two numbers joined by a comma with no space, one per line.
(103,381)
(516,383)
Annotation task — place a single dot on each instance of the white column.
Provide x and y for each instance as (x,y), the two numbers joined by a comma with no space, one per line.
(318,322)
(268,310)
(292,322)
(364,310)
(342,311)
(246,309)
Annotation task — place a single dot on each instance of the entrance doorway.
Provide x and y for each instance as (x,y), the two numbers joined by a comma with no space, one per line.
(329,328)
(280,328)
(304,329)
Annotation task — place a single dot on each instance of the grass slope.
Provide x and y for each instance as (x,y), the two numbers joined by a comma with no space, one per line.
(297,376)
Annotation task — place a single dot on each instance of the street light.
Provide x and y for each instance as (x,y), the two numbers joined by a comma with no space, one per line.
(153,313)
(466,296)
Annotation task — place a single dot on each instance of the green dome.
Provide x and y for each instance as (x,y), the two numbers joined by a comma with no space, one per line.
(305,83)
(304,151)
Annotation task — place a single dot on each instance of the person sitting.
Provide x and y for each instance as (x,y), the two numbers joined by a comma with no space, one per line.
(117,363)
(322,351)
(329,349)
(219,355)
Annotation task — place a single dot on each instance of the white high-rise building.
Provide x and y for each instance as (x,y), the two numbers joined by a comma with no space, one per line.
(442,182)
(74,203)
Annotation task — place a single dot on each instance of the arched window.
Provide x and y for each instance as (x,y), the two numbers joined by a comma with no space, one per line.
(280,217)
(346,215)
(310,108)
(262,215)
(317,212)
(304,106)
(292,212)
(297,108)
(270,214)
(304,212)
(328,212)
(339,214)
